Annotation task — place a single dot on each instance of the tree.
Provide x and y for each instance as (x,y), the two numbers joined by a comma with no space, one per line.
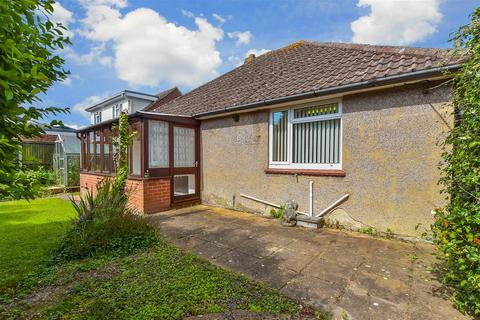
(28,67)
(457,226)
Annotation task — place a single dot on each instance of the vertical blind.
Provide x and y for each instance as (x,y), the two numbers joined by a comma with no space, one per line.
(280,136)
(158,144)
(184,147)
(313,142)
(316,142)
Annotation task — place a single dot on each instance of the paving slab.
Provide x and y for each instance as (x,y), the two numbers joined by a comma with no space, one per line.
(319,293)
(335,270)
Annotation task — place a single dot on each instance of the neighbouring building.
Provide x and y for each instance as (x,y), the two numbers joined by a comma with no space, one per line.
(40,150)
(128,101)
(347,118)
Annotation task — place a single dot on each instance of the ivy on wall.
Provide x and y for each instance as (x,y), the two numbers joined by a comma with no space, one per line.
(121,143)
(457,226)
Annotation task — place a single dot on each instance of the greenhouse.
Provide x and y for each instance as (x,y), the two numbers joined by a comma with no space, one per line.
(66,160)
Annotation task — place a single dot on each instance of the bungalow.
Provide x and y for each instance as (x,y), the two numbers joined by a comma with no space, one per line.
(344,118)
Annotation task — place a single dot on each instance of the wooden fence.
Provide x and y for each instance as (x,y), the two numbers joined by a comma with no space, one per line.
(38,153)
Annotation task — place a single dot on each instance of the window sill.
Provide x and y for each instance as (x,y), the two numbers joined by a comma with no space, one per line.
(309,172)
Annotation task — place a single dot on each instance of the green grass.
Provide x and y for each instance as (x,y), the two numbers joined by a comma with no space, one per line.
(161,282)
(28,233)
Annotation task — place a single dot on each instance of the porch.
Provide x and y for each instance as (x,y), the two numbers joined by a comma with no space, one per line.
(369,278)
(164,159)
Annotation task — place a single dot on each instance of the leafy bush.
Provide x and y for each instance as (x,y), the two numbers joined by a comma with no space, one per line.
(104,224)
(43,177)
(33,183)
(457,226)
(278,213)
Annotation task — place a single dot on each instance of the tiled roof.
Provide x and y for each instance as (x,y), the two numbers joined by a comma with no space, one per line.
(304,67)
(163,97)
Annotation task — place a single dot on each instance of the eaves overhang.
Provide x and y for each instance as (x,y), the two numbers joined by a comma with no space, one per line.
(446,71)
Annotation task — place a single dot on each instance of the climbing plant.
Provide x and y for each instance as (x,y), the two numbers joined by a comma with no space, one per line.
(123,140)
(457,226)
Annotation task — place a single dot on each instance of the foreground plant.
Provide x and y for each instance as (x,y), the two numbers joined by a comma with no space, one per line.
(104,224)
(457,226)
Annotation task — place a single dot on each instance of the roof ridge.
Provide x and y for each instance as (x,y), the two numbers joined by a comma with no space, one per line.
(390,49)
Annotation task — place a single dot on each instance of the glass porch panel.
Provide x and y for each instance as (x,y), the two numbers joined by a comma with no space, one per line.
(158,144)
(91,148)
(183,185)
(183,147)
(96,151)
(136,157)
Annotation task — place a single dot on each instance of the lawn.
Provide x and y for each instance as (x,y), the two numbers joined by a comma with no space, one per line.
(161,282)
(28,232)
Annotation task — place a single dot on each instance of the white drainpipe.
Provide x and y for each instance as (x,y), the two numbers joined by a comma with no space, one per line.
(311,199)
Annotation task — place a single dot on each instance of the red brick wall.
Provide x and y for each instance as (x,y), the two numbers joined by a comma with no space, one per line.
(146,195)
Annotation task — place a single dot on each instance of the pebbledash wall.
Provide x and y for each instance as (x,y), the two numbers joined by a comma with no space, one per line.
(390,155)
(148,195)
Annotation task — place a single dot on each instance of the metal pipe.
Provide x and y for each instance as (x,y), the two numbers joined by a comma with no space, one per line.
(333,205)
(269,203)
(311,198)
(261,201)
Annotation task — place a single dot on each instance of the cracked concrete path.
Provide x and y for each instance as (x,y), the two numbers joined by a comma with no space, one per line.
(369,278)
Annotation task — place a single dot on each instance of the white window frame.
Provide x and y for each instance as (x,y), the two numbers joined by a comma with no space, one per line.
(304,166)
(116,110)
(97,117)
(129,106)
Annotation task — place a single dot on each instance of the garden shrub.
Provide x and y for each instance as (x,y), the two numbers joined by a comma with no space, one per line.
(278,213)
(34,182)
(104,224)
(42,176)
(456,228)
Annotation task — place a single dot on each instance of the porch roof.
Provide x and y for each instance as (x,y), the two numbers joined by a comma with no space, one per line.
(180,119)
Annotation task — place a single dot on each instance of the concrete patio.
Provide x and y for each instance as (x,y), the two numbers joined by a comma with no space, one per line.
(369,278)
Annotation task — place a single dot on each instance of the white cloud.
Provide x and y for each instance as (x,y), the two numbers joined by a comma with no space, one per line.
(238,60)
(149,50)
(112,3)
(396,22)
(219,18)
(242,37)
(96,53)
(67,81)
(64,17)
(188,14)
(256,52)
(79,108)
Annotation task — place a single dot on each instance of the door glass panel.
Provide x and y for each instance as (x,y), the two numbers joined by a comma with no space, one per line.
(183,184)
(184,147)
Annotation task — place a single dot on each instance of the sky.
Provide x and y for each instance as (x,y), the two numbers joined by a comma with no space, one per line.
(153,45)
